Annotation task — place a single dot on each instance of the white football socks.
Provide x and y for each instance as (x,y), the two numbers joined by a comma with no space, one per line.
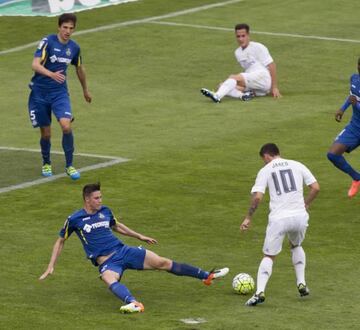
(264,273)
(235,93)
(227,86)
(299,262)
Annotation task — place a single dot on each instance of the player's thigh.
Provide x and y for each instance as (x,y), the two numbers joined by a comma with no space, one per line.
(259,81)
(297,232)
(154,261)
(61,106)
(133,257)
(39,109)
(110,276)
(346,141)
(274,238)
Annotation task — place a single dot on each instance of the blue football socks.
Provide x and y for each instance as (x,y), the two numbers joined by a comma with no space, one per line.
(122,292)
(188,270)
(340,162)
(68,146)
(45,150)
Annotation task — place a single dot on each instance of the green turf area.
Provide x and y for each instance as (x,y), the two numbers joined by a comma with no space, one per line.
(193,165)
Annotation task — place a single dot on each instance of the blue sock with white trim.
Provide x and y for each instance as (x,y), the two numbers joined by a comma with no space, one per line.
(188,270)
(122,292)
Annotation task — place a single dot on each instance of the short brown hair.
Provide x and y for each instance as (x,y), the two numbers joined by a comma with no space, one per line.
(242,26)
(269,149)
(90,188)
(67,17)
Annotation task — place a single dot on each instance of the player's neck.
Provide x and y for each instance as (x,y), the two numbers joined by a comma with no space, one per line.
(61,40)
(89,210)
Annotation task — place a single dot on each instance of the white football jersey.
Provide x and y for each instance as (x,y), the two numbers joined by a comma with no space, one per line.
(285,179)
(254,57)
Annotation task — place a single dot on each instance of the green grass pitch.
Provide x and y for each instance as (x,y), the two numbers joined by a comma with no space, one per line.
(192,167)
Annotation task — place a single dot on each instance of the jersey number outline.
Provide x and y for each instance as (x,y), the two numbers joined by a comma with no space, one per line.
(287,180)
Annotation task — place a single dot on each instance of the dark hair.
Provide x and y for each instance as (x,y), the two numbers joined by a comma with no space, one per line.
(90,188)
(67,17)
(242,26)
(270,149)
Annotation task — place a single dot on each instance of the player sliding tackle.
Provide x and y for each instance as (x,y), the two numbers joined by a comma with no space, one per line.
(259,76)
(94,225)
(349,137)
(288,214)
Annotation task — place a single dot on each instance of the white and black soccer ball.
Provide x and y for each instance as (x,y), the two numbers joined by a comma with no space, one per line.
(243,284)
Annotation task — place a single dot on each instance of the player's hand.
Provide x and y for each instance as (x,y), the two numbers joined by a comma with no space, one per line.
(245,224)
(352,99)
(58,77)
(87,96)
(276,93)
(147,239)
(48,272)
(338,115)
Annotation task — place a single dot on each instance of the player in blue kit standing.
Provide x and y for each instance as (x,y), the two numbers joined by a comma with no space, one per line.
(94,225)
(349,137)
(49,91)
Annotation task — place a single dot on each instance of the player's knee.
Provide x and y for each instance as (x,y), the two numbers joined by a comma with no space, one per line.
(66,129)
(163,263)
(332,157)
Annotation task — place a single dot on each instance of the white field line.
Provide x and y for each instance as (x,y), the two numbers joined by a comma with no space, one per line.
(127,23)
(112,161)
(277,34)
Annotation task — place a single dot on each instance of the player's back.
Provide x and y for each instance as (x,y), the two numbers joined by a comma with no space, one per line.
(285,179)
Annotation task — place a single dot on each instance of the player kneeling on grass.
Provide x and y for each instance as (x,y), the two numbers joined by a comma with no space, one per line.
(94,225)
(288,214)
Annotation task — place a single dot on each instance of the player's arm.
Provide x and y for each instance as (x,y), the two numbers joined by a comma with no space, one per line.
(339,113)
(274,87)
(58,246)
(80,71)
(40,69)
(314,190)
(124,230)
(255,201)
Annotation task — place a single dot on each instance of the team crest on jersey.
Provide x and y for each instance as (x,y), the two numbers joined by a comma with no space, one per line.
(101,216)
(68,52)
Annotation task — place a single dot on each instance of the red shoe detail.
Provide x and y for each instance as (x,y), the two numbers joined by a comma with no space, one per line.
(355,185)
(209,280)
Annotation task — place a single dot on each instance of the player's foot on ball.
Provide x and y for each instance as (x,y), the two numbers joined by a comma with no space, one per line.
(216,273)
(303,290)
(72,172)
(256,299)
(133,307)
(247,96)
(210,94)
(355,185)
(46,170)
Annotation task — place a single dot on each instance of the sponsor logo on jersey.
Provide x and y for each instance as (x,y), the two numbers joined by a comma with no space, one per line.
(57,50)
(87,218)
(54,59)
(102,224)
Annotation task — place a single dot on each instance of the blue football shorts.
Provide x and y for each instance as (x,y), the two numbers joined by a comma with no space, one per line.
(348,138)
(42,103)
(126,257)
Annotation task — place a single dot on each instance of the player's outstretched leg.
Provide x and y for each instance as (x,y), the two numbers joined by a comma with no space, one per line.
(299,262)
(111,278)
(208,93)
(336,157)
(153,261)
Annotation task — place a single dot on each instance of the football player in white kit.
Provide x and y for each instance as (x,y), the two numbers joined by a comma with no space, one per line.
(259,76)
(288,214)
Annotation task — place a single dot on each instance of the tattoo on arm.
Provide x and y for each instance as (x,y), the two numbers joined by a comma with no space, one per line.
(254,205)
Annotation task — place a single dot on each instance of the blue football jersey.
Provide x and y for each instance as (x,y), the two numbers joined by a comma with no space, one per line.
(354,90)
(94,232)
(55,56)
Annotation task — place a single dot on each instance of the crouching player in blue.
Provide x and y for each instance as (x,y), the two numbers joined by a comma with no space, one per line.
(349,137)
(94,225)
(49,92)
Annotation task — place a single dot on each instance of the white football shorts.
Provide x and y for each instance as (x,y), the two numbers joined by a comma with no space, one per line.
(258,81)
(294,227)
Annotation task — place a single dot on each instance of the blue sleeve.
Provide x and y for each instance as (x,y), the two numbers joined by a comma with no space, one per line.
(77,60)
(67,229)
(346,104)
(41,50)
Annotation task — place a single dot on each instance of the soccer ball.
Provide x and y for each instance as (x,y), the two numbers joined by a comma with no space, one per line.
(243,284)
